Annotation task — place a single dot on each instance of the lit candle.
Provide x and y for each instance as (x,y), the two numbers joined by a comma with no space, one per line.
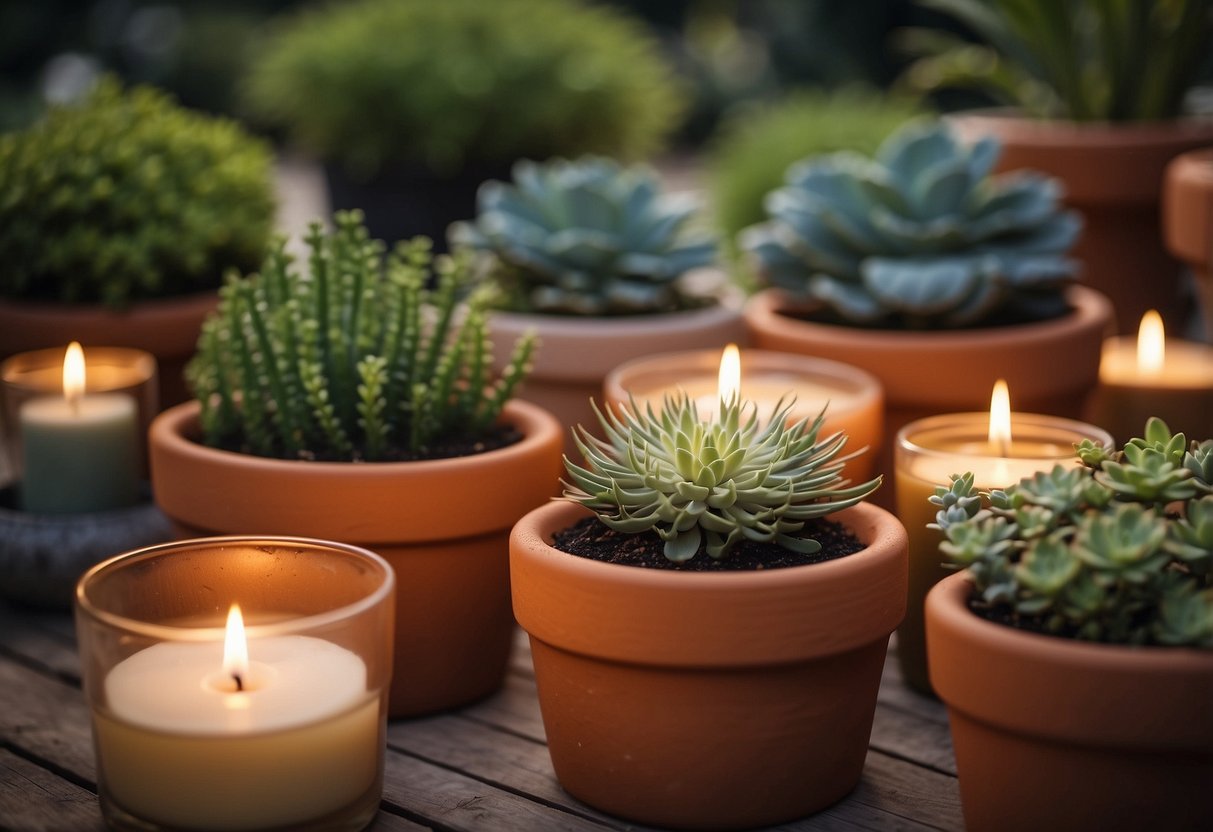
(999,448)
(853,398)
(79,452)
(1151,375)
(228,734)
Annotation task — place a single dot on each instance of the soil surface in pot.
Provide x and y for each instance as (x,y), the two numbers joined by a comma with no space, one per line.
(499,436)
(589,538)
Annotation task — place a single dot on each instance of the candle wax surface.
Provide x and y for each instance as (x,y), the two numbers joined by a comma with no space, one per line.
(79,458)
(764,391)
(1186,364)
(178,746)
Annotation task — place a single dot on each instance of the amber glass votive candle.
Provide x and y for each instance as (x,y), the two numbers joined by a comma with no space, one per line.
(238,683)
(853,398)
(927,453)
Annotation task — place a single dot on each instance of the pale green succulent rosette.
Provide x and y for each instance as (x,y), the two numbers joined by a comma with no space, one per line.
(718,482)
(920,236)
(587,237)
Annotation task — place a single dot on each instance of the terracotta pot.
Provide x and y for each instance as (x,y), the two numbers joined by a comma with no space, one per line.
(442,525)
(1050,366)
(1187,214)
(1113,174)
(708,701)
(1052,733)
(575,354)
(167,328)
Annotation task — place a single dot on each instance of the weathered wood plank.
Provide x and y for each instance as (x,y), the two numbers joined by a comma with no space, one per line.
(33,799)
(515,708)
(46,718)
(456,802)
(36,638)
(387,822)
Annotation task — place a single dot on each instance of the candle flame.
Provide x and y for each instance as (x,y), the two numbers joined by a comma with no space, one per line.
(1000,418)
(1151,344)
(235,648)
(729,381)
(73,373)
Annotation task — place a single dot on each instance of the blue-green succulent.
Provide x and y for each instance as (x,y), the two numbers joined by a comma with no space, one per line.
(921,236)
(1119,549)
(712,484)
(587,237)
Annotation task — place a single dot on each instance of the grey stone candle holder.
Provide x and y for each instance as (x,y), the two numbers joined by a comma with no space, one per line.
(42,555)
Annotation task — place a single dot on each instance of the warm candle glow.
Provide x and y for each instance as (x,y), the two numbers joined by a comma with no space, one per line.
(1151,344)
(73,373)
(729,381)
(235,648)
(1000,418)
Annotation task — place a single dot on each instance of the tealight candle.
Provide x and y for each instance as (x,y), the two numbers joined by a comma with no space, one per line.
(279,725)
(999,448)
(79,452)
(852,398)
(1151,375)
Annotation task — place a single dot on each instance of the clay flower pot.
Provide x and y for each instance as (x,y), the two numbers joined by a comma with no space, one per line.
(708,701)
(1187,213)
(1113,174)
(442,525)
(1050,366)
(576,353)
(1052,733)
(167,328)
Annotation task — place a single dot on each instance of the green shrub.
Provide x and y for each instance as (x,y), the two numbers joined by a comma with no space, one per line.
(127,196)
(376,82)
(754,148)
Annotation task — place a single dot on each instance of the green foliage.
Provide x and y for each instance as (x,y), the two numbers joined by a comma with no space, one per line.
(920,236)
(350,360)
(755,146)
(127,196)
(586,237)
(1085,60)
(441,84)
(724,480)
(1117,551)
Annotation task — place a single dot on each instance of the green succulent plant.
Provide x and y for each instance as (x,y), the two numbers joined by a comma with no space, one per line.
(711,484)
(125,196)
(1117,550)
(352,360)
(586,237)
(376,83)
(754,147)
(1085,60)
(920,236)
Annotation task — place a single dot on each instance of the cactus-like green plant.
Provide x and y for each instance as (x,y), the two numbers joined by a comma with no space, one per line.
(712,484)
(586,237)
(920,236)
(1117,550)
(350,360)
(126,196)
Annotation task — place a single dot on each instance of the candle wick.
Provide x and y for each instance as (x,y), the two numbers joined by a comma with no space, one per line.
(1004,447)
(239,682)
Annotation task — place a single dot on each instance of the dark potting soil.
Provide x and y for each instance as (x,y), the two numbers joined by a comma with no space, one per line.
(443,447)
(589,538)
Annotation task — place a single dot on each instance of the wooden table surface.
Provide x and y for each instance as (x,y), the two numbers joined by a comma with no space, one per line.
(482,768)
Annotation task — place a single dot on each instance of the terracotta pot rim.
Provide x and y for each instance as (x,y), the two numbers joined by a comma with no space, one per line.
(1082,134)
(177,428)
(704,599)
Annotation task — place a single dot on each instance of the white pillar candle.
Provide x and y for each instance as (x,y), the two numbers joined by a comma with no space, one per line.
(80,452)
(178,744)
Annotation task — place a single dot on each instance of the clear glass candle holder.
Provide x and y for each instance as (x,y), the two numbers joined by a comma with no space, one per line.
(39,373)
(191,736)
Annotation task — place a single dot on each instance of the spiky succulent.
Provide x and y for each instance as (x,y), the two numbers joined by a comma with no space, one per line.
(920,236)
(587,237)
(1117,550)
(694,482)
(349,360)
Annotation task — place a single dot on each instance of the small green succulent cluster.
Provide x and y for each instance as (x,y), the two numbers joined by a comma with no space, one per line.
(587,237)
(1118,550)
(717,482)
(920,236)
(379,83)
(127,196)
(350,360)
